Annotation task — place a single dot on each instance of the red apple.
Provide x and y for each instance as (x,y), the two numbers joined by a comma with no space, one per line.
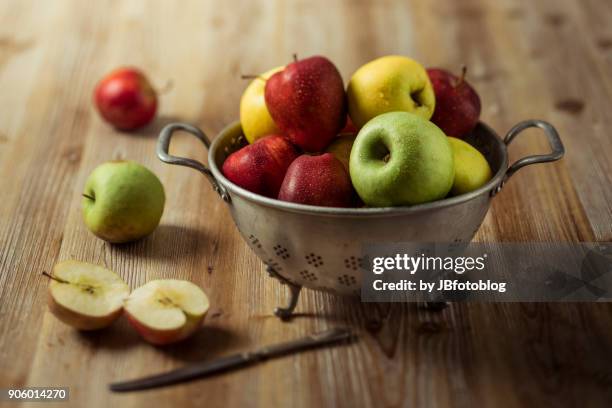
(317,180)
(457,103)
(260,167)
(349,127)
(126,99)
(307,102)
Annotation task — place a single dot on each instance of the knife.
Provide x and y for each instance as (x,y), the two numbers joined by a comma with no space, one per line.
(206,368)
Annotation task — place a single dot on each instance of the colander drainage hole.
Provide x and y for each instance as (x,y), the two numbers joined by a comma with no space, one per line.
(254,241)
(347,280)
(281,251)
(309,276)
(314,260)
(353,263)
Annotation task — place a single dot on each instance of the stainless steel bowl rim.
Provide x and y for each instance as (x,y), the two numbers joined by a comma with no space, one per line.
(222,185)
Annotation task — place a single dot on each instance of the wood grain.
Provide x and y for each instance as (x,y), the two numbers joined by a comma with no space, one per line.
(547,59)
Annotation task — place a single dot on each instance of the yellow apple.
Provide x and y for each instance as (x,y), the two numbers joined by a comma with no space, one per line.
(341,148)
(388,84)
(254,116)
(472,170)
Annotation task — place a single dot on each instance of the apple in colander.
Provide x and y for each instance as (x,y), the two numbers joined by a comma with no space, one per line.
(261,166)
(317,180)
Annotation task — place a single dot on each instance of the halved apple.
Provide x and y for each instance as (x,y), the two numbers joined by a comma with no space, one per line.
(86,296)
(166,311)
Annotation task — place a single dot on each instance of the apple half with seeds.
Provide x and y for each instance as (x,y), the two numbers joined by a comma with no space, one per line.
(86,296)
(166,311)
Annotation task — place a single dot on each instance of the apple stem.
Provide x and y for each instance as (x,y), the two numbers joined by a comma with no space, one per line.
(88,196)
(166,88)
(55,278)
(462,77)
(253,77)
(295,57)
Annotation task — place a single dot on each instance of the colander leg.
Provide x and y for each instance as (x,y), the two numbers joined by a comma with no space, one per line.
(285,313)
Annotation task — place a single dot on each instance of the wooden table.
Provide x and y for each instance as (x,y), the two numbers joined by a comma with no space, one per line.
(546,59)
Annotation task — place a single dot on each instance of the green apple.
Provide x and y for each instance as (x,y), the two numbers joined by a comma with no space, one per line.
(399,158)
(472,170)
(122,201)
(388,84)
(254,115)
(86,296)
(341,148)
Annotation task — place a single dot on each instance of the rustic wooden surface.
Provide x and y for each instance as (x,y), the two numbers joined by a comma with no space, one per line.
(545,59)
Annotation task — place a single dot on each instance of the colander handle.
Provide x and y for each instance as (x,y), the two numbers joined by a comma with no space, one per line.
(163,152)
(557,149)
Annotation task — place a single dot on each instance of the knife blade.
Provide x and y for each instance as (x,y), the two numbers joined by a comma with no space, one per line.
(207,368)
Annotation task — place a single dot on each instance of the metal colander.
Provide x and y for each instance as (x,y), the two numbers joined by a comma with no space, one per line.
(320,247)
